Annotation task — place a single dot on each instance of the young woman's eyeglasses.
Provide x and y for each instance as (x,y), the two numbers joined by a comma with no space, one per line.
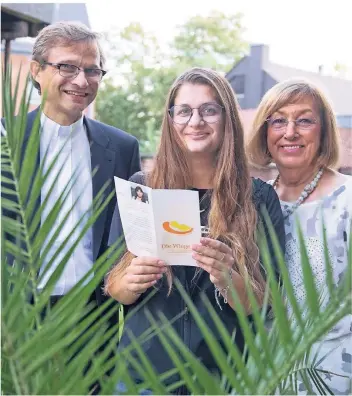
(208,112)
(71,71)
(281,123)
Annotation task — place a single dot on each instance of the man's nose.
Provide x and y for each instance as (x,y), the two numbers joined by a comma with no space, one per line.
(195,118)
(81,79)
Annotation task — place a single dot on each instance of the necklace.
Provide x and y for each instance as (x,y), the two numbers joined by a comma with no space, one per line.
(308,189)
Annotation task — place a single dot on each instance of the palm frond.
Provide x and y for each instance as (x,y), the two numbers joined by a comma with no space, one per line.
(34,346)
(62,351)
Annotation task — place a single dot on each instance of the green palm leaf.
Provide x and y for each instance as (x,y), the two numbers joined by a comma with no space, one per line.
(36,348)
(49,355)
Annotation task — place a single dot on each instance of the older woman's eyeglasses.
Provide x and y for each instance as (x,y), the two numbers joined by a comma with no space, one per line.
(281,123)
(71,71)
(208,112)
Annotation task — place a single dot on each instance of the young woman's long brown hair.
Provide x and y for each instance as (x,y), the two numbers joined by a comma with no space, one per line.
(232,217)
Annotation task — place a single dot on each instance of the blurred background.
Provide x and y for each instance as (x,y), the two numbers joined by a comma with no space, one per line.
(254,43)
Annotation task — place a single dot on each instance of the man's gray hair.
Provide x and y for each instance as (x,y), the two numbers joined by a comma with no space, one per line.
(63,34)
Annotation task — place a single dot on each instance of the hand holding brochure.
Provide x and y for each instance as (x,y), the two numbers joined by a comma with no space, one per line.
(159,223)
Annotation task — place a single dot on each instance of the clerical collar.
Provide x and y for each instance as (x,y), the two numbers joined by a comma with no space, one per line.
(64,130)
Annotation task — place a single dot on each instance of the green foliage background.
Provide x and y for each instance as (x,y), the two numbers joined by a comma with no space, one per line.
(132,97)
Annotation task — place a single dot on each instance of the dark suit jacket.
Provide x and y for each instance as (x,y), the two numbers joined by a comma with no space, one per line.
(113,153)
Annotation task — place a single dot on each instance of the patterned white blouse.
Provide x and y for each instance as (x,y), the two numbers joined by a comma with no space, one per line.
(335,211)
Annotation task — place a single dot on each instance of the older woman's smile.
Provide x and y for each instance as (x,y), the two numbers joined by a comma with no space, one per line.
(292,149)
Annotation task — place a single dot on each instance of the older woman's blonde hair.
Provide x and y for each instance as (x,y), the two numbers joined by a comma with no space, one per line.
(280,95)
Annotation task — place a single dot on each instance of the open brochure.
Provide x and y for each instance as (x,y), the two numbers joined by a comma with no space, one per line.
(159,223)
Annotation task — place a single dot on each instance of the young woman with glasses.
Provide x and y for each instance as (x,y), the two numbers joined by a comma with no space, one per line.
(201,148)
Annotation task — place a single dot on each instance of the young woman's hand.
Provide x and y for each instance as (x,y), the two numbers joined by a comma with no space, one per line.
(142,273)
(216,258)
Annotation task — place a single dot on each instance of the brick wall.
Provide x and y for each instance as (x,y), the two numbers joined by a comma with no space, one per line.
(345,165)
(20,64)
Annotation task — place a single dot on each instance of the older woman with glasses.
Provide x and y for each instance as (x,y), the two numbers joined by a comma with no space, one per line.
(201,148)
(295,128)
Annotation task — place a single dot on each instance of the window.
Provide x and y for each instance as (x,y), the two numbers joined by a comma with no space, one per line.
(238,85)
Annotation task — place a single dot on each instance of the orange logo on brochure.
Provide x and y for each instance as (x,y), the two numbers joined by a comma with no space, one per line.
(173,227)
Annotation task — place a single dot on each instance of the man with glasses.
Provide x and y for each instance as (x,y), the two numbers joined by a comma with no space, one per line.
(67,68)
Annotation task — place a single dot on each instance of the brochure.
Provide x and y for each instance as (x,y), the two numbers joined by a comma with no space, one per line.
(159,223)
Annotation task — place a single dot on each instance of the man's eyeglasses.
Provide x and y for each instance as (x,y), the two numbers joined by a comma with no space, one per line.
(208,112)
(72,71)
(280,123)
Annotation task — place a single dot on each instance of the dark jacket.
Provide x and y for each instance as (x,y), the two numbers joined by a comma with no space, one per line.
(174,306)
(113,153)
